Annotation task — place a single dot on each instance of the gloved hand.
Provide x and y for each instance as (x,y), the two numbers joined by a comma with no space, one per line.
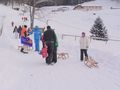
(56,44)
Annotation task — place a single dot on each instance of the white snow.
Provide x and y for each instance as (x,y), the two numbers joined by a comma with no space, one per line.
(29,72)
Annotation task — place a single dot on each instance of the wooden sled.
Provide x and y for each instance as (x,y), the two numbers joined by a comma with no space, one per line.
(62,56)
(90,62)
(27,48)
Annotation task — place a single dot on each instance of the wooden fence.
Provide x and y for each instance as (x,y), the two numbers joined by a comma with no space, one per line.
(92,38)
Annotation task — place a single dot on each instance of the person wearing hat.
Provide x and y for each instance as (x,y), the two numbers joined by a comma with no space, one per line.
(83,46)
(51,42)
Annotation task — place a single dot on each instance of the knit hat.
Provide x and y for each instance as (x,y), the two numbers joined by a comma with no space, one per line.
(48,27)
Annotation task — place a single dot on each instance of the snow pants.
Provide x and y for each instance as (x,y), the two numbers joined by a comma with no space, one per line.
(54,55)
(50,50)
(37,47)
(83,52)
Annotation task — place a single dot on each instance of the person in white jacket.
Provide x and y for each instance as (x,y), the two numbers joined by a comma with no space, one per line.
(83,46)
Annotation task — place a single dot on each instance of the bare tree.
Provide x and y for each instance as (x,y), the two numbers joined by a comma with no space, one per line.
(32,13)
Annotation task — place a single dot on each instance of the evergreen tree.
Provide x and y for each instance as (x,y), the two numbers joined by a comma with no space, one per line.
(99,30)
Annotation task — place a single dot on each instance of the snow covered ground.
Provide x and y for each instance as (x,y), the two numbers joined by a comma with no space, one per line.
(29,72)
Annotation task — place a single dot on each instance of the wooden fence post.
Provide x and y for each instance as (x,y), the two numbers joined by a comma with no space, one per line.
(62,36)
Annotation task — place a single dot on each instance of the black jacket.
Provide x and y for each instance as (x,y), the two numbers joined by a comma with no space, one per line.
(49,35)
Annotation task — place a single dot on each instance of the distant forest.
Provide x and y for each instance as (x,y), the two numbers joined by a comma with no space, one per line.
(58,2)
(48,2)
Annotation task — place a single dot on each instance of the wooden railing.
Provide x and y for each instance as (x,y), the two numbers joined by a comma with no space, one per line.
(93,38)
(68,35)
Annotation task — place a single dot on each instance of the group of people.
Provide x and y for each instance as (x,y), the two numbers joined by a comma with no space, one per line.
(47,37)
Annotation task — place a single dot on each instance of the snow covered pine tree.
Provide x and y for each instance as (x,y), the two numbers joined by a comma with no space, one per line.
(99,31)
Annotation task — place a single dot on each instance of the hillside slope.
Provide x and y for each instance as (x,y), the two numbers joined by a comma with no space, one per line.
(29,72)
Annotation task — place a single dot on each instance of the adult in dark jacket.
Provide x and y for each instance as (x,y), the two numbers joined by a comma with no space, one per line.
(19,31)
(50,40)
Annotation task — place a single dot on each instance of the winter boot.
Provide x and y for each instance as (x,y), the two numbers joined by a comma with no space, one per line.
(22,50)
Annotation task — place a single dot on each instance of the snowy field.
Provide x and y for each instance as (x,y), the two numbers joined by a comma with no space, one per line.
(29,72)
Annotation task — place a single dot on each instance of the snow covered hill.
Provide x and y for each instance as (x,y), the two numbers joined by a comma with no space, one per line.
(29,72)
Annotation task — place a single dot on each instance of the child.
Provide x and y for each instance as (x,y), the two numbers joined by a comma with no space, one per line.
(16,32)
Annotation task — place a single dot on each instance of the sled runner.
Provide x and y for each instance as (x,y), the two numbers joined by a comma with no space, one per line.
(26,48)
(24,52)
